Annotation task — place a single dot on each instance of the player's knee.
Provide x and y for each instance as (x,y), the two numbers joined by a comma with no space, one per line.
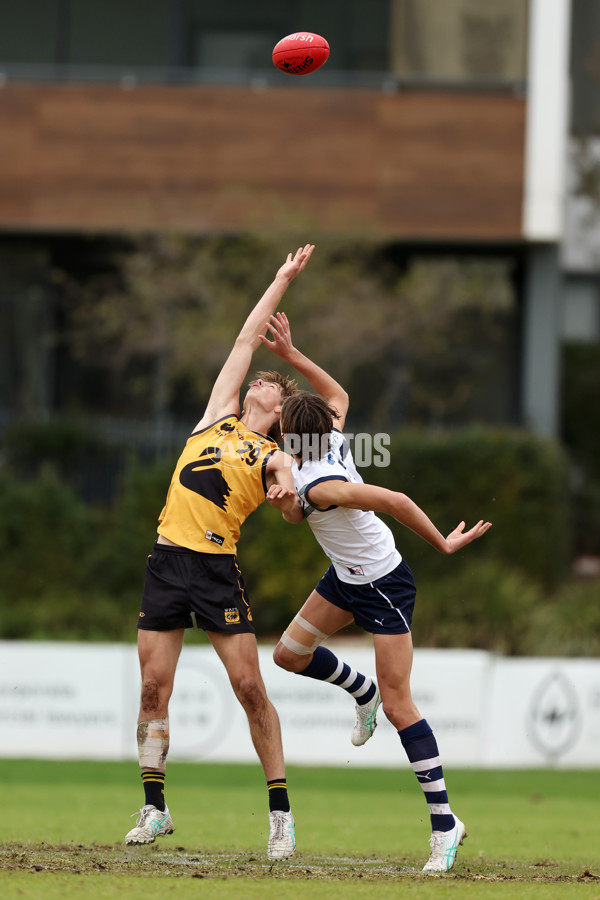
(251,695)
(150,701)
(155,695)
(395,714)
(287,659)
(400,713)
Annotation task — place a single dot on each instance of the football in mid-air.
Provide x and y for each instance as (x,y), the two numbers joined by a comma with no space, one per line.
(300,53)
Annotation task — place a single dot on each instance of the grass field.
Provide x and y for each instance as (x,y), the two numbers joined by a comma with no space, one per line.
(360,832)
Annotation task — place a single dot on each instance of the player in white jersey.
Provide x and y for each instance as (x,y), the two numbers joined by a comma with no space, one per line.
(368,582)
(360,546)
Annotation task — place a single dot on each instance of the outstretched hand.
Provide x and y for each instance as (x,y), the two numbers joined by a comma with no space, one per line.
(279,327)
(294,264)
(460,538)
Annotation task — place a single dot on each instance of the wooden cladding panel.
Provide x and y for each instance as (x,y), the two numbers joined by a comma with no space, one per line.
(411,164)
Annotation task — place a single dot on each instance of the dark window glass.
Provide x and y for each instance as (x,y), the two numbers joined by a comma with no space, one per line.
(119,32)
(241,34)
(585,66)
(460,40)
(29,31)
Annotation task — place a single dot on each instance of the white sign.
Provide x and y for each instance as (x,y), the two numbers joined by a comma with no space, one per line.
(545,712)
(80,701)
(62,700)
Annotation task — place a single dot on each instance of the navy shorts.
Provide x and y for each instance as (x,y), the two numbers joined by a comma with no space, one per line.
(180,582)
(384,606)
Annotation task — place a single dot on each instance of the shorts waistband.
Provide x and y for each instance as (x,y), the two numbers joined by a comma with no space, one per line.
(169,549)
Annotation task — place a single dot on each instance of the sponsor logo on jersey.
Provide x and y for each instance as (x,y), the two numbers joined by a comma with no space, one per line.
(356,570)
(225,428)
(215,538)
(232,616)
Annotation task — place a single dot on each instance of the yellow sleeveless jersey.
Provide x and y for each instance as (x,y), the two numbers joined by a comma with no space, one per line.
(219,480)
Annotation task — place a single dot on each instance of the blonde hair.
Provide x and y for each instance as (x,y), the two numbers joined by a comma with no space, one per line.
(287,386)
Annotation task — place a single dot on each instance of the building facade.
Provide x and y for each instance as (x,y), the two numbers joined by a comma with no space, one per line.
(431,124)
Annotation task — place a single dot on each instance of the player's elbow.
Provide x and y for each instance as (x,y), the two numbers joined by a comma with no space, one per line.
(246,339)
(400,506)
(340,403)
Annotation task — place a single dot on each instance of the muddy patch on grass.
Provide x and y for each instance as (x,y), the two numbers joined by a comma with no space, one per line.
(187,862)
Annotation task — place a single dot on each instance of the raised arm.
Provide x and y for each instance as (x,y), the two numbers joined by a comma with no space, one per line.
(225,395)
(332,392)
(402,508)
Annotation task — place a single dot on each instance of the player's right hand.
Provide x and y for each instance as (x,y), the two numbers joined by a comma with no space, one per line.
(279,327)
(281,497)
(460,538)
(293,265)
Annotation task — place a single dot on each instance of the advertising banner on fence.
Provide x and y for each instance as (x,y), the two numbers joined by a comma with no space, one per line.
(80,701)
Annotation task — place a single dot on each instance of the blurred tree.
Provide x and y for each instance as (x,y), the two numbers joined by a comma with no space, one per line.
(423,333)
(27,339)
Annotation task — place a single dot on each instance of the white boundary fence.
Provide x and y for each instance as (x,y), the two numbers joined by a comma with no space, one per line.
(80,701)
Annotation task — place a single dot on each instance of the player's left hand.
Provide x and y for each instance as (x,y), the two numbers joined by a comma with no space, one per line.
(460,538)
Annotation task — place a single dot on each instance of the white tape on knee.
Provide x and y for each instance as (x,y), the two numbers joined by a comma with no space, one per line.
(295,646)
(153,744)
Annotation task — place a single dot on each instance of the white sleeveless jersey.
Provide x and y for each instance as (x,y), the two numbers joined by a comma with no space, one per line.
(360,546)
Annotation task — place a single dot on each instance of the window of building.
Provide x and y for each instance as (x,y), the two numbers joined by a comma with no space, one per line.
(117,33)
(242,34)
(430,41)
(29,32)
(585,67)
(459,40)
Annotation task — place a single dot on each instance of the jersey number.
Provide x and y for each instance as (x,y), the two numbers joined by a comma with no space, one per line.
(250,452)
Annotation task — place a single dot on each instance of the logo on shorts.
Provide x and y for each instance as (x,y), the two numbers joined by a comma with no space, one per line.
(142,614)
(216,538)
(356,570)
(232,616)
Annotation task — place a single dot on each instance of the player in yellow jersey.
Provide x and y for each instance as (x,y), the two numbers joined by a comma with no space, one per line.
(228,466)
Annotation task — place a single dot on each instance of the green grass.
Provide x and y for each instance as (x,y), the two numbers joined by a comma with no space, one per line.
(531,834)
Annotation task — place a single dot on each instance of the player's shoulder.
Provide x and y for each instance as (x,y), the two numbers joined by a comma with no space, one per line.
(326,467)
(226,424)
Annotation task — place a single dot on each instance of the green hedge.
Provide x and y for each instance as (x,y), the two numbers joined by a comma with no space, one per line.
(482,596)
(516,480)
(71,570)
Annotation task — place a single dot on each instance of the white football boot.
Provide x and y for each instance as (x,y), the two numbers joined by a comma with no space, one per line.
(444,845)
(151,823)
(282,839)
(366,722)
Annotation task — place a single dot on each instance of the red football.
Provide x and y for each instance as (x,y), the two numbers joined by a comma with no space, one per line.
(300,53)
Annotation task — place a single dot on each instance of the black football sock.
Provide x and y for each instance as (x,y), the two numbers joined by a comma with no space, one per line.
(154,787)
(278,796)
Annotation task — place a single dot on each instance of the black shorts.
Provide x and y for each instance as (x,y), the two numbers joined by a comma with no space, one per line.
(384,606)
(180,582)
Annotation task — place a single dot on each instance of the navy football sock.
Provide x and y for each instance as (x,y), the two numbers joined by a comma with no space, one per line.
(325,666)
(421,748)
